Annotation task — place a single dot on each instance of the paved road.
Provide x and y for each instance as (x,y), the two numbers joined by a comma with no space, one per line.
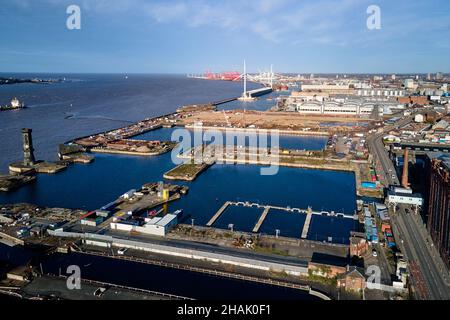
(411,233)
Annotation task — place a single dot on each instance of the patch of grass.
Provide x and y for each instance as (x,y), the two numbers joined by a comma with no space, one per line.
(271,250)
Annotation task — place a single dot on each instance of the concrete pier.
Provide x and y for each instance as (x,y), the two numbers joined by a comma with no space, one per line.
(309,213)
(307,224)
(218,214)
(261,220)
(29,164)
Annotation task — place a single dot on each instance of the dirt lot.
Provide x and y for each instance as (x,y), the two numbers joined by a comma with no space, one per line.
(271,120)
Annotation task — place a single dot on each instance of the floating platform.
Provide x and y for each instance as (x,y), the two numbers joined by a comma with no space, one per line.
(218,214)
(261,220)
(309,213)
(307,224)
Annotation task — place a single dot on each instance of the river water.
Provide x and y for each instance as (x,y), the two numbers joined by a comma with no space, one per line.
(96,103)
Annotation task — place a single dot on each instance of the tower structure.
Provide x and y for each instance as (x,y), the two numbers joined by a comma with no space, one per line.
(245,79)
(28,150)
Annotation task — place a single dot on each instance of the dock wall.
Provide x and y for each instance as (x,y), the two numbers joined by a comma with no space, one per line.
(99,240)
(257,131)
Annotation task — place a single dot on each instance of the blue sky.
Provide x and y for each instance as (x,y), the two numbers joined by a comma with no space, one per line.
(183,36)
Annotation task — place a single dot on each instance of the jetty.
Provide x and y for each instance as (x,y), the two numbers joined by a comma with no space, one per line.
(307,224)
(308,212)
(261,220)
(218,213)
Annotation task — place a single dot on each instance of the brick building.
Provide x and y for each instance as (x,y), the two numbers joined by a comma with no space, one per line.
(437,204)
(352,280)
(420,100)
(327,266)
(358,244)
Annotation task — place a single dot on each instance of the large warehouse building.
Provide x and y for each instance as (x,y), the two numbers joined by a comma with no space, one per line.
(438,211)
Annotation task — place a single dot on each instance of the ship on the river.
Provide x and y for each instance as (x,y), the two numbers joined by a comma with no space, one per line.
(14,105)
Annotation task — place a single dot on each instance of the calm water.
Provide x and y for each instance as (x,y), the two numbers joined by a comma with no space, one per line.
(288,142)
(262,103)
(99,101)
(96,103)
(92,186)
(289,224)
(242,218)
(172,281)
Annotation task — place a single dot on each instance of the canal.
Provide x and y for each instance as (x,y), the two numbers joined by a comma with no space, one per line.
(156,278)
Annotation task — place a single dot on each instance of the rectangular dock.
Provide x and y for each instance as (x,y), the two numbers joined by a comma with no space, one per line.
(218,214)
(261,220)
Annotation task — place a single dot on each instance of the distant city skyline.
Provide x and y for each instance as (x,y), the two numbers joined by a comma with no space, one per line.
(138,36)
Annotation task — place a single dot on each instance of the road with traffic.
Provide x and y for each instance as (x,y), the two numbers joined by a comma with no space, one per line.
(411,235)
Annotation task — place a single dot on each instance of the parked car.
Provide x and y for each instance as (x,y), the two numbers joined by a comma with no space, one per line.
(374,253)
(99,292)
(122,251)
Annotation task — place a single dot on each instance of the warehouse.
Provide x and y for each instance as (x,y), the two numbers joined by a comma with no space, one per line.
(404,198)
(351,108)
(157,226)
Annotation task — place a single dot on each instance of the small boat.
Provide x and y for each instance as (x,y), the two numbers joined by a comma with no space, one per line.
(15,105)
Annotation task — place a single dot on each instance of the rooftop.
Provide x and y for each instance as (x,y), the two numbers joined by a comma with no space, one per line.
(327,259)
(444,157)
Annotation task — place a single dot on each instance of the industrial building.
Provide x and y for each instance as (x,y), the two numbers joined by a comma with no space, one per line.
(329,88)
(380,92)
(437,168)
(420,100)
(316,103)
(397,195)
(156,226)
(351,108)
(92,219)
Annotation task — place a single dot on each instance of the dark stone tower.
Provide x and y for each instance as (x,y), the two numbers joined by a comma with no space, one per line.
(28,156)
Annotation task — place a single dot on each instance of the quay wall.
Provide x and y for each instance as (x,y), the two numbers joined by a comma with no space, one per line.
(258,130)
(131,153)
(10,240)
(220,102)
(214,272)
(98,240)
(117,128)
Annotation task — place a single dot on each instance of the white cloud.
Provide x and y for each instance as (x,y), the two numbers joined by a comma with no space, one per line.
(294,22)
(272,20)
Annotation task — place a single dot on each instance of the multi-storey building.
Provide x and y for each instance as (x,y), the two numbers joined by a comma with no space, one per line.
(437,202)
